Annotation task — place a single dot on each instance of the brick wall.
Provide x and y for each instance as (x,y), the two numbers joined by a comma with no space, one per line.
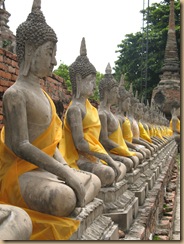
(54,85)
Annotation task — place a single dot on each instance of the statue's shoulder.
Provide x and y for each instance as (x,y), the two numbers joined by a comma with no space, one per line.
(13,95)
(76,109)
(103,113)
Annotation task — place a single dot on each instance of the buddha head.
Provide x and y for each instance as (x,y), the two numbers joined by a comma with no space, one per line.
(82,74)
(33,39)
(124,97)
(108,87)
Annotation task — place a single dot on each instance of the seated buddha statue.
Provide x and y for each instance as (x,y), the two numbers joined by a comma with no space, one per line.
(131,113)
(122,109)
(174,125)
(175,122)
(80,143)
(111,134)
(34,175)
(143,135)
(156,139)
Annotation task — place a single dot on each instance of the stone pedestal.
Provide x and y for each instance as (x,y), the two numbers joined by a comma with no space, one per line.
(94,225)
(140,189)
(120,204)
(137,184)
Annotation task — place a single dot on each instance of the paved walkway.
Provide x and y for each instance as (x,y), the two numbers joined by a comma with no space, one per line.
(176,230)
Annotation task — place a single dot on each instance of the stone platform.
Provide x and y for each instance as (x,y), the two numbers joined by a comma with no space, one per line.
(132,205)
(149,214)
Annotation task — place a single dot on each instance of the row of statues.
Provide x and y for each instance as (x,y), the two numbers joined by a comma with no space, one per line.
(48,169)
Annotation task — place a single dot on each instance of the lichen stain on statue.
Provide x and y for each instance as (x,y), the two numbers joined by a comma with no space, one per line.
(82,126)
(34,176)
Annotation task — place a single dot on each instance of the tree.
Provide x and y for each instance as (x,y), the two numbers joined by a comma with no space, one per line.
(131,61)
(63,72)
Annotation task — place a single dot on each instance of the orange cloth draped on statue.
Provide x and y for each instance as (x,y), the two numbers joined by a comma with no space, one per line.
(146,127)
(126,130)
(143,134)
(158,133)
(45,226)
(177,125)
(91,132)
(122,150)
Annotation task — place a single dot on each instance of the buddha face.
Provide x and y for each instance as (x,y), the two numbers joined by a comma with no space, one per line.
(88,85)
(138,110)
(44,60)
(126,104)
(113,95)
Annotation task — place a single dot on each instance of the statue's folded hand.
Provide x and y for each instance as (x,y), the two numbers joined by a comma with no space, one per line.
(116,169)
(75,183)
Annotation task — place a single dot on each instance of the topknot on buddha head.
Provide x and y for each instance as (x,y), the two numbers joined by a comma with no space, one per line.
(34,31)
(107,82)
(81,66)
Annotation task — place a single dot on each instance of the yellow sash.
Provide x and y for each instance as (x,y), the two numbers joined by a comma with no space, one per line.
(45,226)
(91,132)
(146,127)
(177,125)
(126,130)
(158,133)
(122,150)
(143,134)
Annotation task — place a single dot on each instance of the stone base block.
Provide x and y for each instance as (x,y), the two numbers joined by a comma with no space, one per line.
(150,178)
(132,177)
(103,228)
(143,167)
(140,189)
(86,216)
(124,218)
(119,203)
(110,194)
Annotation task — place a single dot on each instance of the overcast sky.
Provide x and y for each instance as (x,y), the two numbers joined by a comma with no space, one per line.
(103,23)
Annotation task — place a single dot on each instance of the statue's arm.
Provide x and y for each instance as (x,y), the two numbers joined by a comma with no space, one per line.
(104,139)
(142,142)
(16,120)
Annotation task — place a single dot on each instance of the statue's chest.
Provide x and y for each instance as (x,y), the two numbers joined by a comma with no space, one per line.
(38,110)
(112,123)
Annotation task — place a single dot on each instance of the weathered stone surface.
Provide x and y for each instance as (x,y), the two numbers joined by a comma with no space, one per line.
(167,93)
(15,223)
(7,38)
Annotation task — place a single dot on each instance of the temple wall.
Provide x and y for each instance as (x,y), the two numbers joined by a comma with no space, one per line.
(54,85)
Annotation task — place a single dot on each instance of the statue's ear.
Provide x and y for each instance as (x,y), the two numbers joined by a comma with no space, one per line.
(78,85)
(27,58)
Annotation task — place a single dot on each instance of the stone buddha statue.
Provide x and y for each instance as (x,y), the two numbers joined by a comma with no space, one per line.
(175,122)
(111,134)
(131,113)
(80,144)
(143,135)
(147,126)
(123,108)
(34,175)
